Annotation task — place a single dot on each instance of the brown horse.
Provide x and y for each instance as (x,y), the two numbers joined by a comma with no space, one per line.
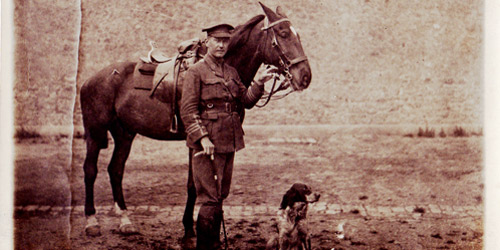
(111,102)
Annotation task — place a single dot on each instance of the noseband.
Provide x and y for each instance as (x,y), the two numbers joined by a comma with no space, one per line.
(285,64)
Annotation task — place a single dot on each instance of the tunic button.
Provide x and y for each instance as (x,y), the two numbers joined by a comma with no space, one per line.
(210,105)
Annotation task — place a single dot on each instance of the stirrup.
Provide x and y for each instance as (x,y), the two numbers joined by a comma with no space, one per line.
(173,127)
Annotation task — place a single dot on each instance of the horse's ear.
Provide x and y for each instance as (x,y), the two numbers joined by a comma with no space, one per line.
(280,12)
(269,13)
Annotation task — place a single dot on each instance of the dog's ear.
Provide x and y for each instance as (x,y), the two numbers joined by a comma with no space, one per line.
(284,202)
(302,192)
(287,198)
(291,196)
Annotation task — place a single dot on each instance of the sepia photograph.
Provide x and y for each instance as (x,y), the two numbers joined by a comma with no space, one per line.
(251,124)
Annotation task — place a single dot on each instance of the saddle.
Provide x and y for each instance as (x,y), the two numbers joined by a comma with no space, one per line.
(155,55)
(157,64)
(161,74)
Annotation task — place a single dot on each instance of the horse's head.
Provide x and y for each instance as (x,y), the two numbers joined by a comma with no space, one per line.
(285,50)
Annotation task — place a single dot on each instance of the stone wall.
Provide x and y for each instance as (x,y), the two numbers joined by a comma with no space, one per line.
(374,62)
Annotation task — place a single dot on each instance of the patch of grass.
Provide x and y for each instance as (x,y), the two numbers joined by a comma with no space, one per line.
(60,137)
(364,197)
(430,133)
(419,210)
(24,133)
(78,135)
(459,132)
(478,133)
(442,134)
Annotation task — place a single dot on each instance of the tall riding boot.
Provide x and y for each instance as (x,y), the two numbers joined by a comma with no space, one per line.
(217,224)
(206,228)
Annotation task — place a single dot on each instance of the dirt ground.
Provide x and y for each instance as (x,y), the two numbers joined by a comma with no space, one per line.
(351,169)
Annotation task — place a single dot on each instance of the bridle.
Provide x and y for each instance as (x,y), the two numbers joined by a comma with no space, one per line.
(284,62)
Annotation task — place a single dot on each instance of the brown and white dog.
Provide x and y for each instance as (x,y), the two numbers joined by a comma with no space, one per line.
(293,232)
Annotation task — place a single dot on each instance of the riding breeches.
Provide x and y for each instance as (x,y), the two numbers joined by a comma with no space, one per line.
(212,178)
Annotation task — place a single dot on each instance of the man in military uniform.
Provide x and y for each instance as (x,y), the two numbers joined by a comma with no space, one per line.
(212,94)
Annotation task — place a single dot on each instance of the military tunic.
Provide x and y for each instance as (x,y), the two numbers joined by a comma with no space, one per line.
(212,94)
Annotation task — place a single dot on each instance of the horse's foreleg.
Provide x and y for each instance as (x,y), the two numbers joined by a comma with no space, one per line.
(90,170)
(187,219)
(123,144)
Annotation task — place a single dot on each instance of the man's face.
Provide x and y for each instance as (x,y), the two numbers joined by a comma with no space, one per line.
(217,46)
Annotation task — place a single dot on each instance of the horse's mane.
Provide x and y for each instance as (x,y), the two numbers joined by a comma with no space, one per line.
(241,33)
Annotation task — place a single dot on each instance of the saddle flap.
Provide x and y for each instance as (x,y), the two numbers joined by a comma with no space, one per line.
(143,75)
(165,71)
(146,68)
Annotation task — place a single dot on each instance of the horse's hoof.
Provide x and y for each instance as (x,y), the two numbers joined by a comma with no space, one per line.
(93,231)
(128,229)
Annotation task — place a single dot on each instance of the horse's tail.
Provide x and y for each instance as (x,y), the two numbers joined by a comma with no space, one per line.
(97,97)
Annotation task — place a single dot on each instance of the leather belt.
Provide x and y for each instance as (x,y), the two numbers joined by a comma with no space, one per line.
(220,107)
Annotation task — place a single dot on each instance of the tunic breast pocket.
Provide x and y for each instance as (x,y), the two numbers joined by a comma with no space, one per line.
(234,88)
(210,89)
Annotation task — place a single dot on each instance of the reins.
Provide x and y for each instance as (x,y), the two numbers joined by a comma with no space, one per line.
(273,91)
(268,96)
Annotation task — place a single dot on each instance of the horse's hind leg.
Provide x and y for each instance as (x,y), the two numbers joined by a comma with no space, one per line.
(90,170)
(123,143)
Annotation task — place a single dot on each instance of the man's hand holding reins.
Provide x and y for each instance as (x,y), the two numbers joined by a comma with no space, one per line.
(265,74)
